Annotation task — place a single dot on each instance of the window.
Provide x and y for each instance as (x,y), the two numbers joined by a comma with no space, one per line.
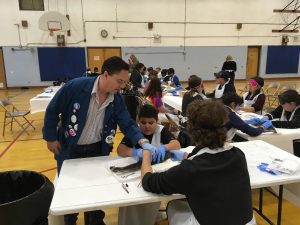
(37,5)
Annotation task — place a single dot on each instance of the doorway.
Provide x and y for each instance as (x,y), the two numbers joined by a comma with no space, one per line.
(96,56)
(253,57)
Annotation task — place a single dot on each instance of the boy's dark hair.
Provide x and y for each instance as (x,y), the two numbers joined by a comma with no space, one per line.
(149,69)
(231,97)
(114,65)
(171,71)
(164,72)
(148,111)
(288,97)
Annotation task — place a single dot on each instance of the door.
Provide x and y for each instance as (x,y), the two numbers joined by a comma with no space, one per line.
(2,71)
(252,69)
(96,56)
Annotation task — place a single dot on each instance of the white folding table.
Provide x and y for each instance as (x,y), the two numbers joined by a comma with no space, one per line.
(174,101)
(86,184)
(40,102)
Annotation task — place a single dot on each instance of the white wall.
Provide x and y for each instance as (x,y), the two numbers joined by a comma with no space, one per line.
(202,61)
(22,68)
(211,18)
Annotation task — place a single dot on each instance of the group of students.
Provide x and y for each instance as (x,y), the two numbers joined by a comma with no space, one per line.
(149,85)
(286,115)
(82,118)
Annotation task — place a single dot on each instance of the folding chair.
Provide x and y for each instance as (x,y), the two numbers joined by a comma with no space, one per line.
(287,87)
(243,90)
(11,112)
(272,92)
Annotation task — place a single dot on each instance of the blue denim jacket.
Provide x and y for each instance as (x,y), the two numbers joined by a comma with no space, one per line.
(73,99)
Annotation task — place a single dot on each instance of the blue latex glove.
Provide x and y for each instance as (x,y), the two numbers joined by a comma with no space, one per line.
(262,120)
(152,149)
(177,155)
(253,121)
(137,152)
(179,88)
(172,91)
(161,153)
(267,124)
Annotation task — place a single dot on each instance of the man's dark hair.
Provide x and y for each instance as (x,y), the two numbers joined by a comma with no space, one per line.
(114,65)
(148,111)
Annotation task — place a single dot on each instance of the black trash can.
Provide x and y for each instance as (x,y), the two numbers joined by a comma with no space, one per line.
(25,198)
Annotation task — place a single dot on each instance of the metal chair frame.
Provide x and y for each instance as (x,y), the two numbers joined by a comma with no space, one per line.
(11,112)
(272,92)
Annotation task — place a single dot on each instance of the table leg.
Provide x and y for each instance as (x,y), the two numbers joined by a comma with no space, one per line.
(279,209)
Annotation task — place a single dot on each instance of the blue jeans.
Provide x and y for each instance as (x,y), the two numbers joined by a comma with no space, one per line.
(93,217)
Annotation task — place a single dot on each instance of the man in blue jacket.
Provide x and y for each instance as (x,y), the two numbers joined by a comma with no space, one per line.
(82,118)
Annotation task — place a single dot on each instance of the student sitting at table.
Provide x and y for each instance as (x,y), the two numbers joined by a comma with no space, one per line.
(214,178)
(164,77)
(223,85)
(195,92)
(153,95)
(254,99)
(173,78)
(288,112)
(232,102)
(152,74)
(160,137)
(157,134)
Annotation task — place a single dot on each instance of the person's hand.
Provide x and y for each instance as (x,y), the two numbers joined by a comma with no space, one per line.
(54,146)
(152,149)
(161,153)
(138,153)
(177,155)
(267,124)
(253,121)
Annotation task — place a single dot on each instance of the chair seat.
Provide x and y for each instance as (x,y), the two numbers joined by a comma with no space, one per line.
(17,113)
(12,113)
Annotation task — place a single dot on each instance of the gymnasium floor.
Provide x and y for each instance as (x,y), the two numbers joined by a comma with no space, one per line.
(19,151)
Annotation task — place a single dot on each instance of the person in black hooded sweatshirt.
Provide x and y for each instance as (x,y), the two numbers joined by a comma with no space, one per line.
(213,177)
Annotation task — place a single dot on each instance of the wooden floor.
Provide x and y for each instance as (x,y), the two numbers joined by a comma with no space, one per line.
(19,151)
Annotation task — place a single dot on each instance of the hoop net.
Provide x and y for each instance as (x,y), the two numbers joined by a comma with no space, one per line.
(51,31)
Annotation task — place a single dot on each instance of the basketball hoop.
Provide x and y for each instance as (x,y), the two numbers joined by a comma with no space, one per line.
(54,21)
(51,31)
